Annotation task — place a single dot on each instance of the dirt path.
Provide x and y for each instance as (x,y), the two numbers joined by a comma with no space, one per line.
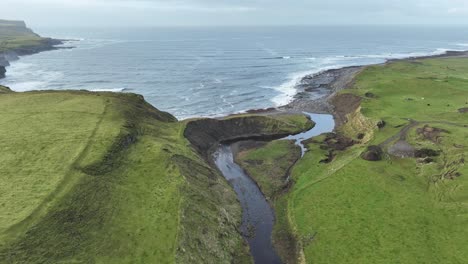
(403,133)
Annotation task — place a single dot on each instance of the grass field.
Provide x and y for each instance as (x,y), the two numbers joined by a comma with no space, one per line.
(269,164)
(106,178)
(397,210)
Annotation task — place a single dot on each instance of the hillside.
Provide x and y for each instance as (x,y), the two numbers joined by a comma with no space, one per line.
(103,177)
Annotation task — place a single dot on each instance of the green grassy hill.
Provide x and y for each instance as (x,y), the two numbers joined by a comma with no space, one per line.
(106,178)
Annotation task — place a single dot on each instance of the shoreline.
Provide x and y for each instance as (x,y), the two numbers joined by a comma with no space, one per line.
(315,91)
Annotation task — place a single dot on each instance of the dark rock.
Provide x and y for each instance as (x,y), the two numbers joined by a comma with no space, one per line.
(370,95)
(463,110)
(206,134)
(2,72)
(381,124)
(360,136)
(426,152)
(373,153)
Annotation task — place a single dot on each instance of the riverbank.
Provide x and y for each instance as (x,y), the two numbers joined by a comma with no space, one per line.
(332,198)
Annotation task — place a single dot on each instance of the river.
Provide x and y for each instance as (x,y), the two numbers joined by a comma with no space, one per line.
(258,218)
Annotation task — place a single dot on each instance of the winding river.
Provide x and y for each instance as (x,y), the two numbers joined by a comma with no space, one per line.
(258,217)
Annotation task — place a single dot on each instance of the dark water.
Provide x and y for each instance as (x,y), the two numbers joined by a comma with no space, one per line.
(258,217)
(216,71)
(323,124)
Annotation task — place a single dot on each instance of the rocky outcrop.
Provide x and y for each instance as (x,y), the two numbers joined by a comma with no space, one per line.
(2,72)
(373,153)
(206,134)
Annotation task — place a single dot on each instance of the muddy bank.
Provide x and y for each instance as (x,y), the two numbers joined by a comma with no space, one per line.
(206,134)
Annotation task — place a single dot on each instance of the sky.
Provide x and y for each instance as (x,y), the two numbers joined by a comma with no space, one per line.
(108,13)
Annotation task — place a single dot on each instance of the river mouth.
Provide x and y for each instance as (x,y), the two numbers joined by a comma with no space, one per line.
(323,124)
(258,217)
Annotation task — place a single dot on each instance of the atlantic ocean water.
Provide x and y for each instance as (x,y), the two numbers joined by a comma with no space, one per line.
(193,72)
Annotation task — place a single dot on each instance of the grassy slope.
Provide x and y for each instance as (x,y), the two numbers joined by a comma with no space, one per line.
(269,164)
(103,177)
(395,210)
(73,191)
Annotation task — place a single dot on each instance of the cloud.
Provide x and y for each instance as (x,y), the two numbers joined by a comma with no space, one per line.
(235,12)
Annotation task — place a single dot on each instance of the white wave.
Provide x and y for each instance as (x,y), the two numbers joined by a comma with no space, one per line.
(23,77)
(439,51)
(286,57)
(288,89)
(217,81)
(115,90)
(27,86)
(462,44)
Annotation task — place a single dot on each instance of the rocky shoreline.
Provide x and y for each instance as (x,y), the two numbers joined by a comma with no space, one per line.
(47,44)
(317,91)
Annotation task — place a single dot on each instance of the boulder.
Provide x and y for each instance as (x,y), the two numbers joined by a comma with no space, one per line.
(2,72)
(373,153)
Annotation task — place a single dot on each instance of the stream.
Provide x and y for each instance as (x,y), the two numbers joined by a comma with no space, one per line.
(258,217)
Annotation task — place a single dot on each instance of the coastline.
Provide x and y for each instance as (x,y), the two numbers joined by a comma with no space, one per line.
(316,91)
(47,44)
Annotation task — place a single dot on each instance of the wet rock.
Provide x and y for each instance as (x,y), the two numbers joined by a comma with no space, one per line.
(373,153)
(2,72)
(426,152)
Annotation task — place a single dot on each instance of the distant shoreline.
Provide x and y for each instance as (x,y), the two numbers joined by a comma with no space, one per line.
(313,91)
(330,82)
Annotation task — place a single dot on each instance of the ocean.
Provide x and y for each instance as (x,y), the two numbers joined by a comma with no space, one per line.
(206,72)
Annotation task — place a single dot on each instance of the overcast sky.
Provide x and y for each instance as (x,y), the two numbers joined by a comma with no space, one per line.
(233,12)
